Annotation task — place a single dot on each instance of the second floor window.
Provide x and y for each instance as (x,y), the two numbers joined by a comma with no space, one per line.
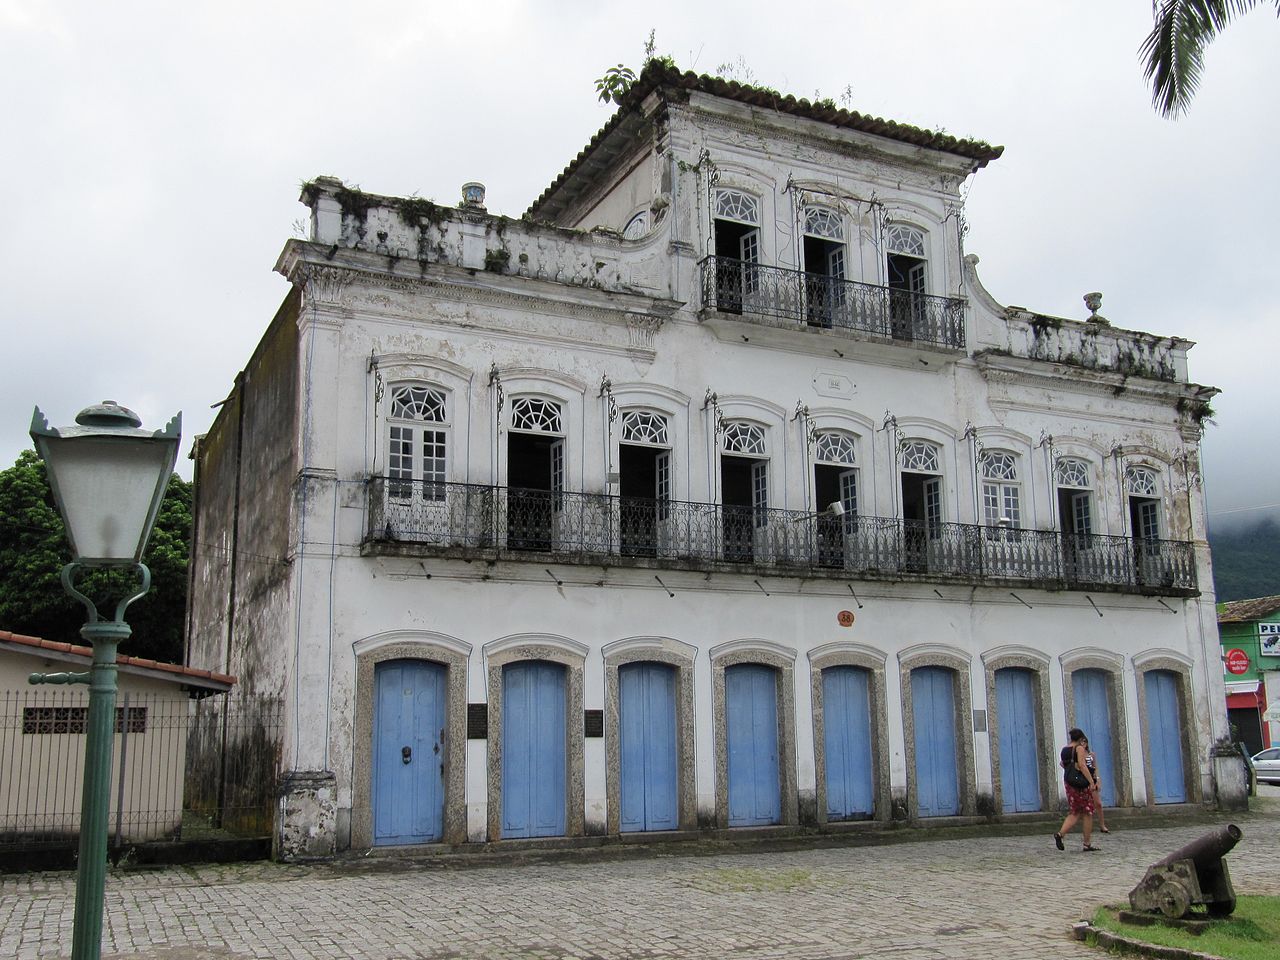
(1143,489)
(1001,492)
(417,447)
(824,265)
(1075,496)
(744,486)
(835,472)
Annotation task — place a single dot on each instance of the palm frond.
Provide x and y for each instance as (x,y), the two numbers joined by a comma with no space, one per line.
(1173,52)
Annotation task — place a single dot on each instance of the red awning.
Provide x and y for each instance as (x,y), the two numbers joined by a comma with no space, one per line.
(1243,701)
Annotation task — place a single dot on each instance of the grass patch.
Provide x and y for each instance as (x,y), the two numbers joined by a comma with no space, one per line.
(1251,933)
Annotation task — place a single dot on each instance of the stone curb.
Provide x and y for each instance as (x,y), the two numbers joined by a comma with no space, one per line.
(1086,932)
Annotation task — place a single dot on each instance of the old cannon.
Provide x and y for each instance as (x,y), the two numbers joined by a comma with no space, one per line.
(1192,875)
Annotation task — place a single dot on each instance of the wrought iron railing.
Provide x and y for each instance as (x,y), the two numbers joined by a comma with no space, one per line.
(591,528)
(814,300)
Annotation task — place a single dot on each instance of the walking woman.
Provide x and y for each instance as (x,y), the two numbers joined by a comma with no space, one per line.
(1091,762)
(1079,783)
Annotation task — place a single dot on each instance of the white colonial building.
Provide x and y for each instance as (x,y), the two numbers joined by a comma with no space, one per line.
(715,492)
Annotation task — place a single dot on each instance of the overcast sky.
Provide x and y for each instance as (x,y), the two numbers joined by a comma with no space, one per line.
(152,154)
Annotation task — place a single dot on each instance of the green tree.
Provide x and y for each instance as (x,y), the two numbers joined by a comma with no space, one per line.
(33,551)
(1174,51)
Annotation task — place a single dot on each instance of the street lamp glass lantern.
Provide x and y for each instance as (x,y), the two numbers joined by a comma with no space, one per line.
(108,478)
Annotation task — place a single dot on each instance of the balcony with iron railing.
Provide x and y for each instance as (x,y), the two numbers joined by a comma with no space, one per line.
(815,301)
(466,520)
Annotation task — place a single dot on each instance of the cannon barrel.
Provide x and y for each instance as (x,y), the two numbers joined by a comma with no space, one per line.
(1208,850)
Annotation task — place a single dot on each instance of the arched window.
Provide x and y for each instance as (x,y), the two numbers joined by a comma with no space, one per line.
(535,473)
(1001,491)
(920,481)
(906,270)
(736,228)
(644,482)
(835,472)
(417,441)
(1075,496)
(637,226)
(824,267)
(1143,487)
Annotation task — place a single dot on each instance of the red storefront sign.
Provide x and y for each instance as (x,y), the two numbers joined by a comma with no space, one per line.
(1237,661)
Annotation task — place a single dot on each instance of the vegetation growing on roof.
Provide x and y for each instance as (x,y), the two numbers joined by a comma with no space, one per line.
(617,80)
(414,210)
(354,202)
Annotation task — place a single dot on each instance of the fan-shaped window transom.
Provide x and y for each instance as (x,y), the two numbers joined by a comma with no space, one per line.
(736,205)
(535,415)
(644,426)
(821,222)
(1072,473)
(417,403)
(741,437)
(920,456)
(901,238)
(998,465)
(834,446)
(1141,481)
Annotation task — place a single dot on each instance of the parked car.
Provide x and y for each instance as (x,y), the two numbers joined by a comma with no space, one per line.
(1266,765)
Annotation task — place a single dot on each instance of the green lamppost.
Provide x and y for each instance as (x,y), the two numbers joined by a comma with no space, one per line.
(108,479)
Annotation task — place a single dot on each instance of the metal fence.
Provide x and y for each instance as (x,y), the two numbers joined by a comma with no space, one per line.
(601,528)
(180,767)
(815,300)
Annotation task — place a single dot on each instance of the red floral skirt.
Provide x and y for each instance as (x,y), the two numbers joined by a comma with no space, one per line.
(1079,801)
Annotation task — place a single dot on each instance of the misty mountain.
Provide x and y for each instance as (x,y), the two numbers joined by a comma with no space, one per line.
(1246,560)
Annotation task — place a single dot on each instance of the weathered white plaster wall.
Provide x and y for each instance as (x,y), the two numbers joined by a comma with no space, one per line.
(472,305)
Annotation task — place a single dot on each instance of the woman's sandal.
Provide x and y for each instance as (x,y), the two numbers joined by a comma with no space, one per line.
(1089,848)
(1104,829)
(1057,839)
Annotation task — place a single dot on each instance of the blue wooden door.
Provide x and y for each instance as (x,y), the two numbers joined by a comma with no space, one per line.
(408,751)
(647,744)
(1019,745)
(533,749)
(751,729)
(1093,716)
(846,722)
(933,708)
(1164,737)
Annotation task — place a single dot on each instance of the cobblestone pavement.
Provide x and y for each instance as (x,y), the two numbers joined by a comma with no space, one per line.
(1005,897)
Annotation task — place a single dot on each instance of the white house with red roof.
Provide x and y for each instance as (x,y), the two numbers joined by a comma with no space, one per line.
(42,733)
